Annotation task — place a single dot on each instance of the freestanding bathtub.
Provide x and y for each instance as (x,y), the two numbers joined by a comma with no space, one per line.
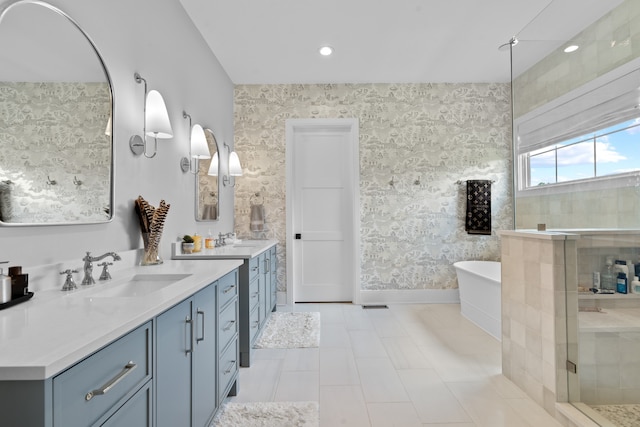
(480,294)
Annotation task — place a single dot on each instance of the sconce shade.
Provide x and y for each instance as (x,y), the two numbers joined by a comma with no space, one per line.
(213,169)
(157,118)
(199,147)
(234,165)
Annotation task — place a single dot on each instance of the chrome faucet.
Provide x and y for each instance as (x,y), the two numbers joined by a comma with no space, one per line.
(88,265)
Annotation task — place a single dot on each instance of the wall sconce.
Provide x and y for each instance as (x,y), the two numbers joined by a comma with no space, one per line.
(198,148)
(156,122)
(213,168)
(234,167)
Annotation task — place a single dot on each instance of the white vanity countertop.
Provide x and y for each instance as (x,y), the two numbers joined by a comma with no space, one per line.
(244,250)
(55,329)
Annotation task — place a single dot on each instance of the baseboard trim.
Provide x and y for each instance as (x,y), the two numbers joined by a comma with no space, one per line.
(410,296)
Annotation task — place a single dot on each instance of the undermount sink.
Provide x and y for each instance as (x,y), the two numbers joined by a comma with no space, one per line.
(137,286)
(247,244)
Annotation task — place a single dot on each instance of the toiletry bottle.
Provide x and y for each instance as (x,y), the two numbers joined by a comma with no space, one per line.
(197,243)
(620,267)
(631,271)
(635,285)
(209,243)
(607,280)
(5,287)
(621,283)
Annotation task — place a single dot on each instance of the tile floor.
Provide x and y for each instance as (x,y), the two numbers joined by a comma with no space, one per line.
(409,365)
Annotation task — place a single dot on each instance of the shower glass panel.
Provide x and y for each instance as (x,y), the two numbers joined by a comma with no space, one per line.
(576,170)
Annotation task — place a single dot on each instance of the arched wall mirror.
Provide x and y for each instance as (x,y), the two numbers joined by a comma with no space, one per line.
(56,120)
(207,183)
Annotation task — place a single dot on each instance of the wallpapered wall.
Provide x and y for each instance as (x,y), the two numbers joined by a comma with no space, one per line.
(56,131)
(435,134)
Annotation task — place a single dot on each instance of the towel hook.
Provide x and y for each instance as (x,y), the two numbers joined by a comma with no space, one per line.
(255,196)
(51,181)
(76,181)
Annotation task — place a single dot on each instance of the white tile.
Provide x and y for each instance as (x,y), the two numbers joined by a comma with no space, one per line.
(427,366)
(334,335)
(297,386)
(534,414)
(367,344)
(404,353)
(301,359)
(258,382)
(431,397)
(343,406)
(486,407)
(398,414)
(338,367)
(380,381)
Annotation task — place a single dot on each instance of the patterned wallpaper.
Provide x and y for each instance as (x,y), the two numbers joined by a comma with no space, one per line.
(423,136)
(56,132)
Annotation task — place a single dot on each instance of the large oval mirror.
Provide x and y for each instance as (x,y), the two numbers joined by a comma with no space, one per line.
(207,191)
(56,109)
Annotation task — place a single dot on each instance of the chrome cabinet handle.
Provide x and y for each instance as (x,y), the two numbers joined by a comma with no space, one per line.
(227,290)
(229,325)
(200,312)
(231,365)
(188,336)
(266,265)
(112,382)
(255,324)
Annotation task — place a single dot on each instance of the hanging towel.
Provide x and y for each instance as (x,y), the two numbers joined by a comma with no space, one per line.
(257,217)
(209,212)
(478,219)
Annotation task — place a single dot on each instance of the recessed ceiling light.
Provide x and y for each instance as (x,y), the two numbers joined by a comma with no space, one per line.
(326,50)
(571,48)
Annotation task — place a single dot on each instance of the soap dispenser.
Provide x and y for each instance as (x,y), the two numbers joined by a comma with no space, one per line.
(5,286)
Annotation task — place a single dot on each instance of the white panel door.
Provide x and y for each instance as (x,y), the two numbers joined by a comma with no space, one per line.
(323,212)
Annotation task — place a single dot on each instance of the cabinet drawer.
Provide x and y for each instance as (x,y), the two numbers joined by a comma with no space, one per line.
(228,325)
(136,412)
(86,391)
(254,294)
(227,288)
(227,369)
(254,266)
(254,324)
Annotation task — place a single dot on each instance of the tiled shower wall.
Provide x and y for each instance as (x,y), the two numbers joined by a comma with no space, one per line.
(608,43)
(424,136)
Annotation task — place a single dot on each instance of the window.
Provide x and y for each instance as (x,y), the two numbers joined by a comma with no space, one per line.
(608,151)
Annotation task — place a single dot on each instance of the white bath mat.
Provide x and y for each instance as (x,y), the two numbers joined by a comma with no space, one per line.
(290,330)
(268,414)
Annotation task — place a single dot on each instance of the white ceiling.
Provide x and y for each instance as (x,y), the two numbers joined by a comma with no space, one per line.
(380,41)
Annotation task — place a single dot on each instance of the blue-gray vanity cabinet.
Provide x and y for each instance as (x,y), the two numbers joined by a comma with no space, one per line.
(91,389)
(112,384)
(184,368)
(228,336)
(273,278)
(135,412)
(256,299)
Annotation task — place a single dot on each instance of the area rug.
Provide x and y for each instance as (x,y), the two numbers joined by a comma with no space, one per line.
(620,415)
(268,414)
(290,330)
